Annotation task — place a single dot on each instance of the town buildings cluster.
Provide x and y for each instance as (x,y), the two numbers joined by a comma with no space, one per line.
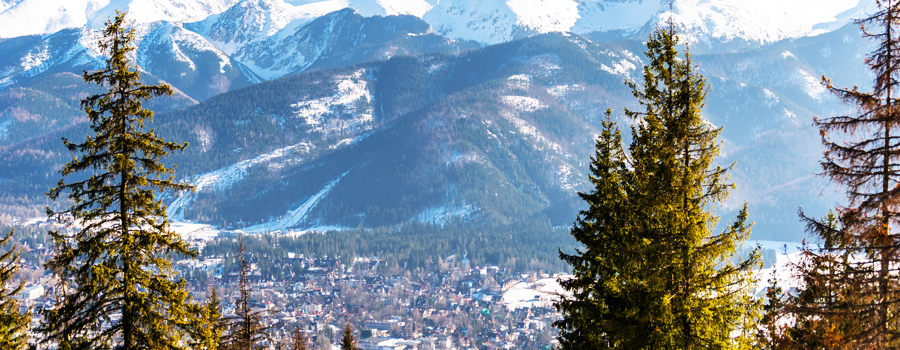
(454,304)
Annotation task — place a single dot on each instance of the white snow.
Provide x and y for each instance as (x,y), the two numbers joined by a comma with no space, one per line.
(563,175)
(48,16)
(224,178)
(562,90)
(523,104)
(781,272)
(811,85)
(296,216)
(190,231)
(771,98)
(790,116)
(622,67)
(34,59)
(521,81)
(315,229)
(319,113)
(529,130)
(487,21)
(540,293)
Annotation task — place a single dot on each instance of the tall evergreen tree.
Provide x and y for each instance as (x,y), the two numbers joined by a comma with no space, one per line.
(652,274)
(348,342)
(245,329)
(208,329)
(299,341)
(116,286)
(13,322)
(851,294)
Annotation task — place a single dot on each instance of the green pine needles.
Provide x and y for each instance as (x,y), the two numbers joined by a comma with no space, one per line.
(652,273)
(116,288)
(13,323)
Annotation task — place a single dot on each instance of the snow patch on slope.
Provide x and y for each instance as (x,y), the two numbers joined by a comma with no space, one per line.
(523,104)
(52,50)
(151,37)
(563,175)
(319,113)
(226,177)
(810,84)
(521,81)
(623,68)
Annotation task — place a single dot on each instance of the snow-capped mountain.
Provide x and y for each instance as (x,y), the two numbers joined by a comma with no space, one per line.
(181,57)
(487,101)
(29,17)
(275,38)
(714,24)
(257,20)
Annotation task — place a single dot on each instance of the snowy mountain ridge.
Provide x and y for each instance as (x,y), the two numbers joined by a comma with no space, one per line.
(487,22)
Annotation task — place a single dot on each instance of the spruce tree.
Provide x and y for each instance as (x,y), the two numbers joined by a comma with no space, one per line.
(850,298)
(116,285)
(245,329)
(208,330)
(348,342)
(13,322)
(652,273)
(299,341)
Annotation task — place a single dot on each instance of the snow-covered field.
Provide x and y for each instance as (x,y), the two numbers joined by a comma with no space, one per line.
(191,231)
(540,293)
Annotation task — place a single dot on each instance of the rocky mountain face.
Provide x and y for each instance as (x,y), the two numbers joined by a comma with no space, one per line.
(305,114)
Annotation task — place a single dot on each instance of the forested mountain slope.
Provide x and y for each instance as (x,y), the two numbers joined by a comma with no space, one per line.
(488,136)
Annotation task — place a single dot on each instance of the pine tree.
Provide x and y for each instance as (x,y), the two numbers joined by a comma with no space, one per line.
(116,286)
(348,342)
(652,274)
(13,323)
(208,330)
(245,328)
(851,295)
(299,341)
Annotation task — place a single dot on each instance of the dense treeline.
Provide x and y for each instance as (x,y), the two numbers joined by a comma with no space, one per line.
(526,246)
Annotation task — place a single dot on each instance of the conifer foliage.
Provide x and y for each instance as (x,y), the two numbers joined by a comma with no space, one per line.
(209,327)
(116,285)
(299,341)
(851,296)
(652,273)
(13,323)
(348,342)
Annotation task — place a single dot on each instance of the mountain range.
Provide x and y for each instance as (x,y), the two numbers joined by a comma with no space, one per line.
(344,114)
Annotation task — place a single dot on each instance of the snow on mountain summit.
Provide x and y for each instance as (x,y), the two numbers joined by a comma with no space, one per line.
(759,21)
(254,20)
(28,17)
(484,21)
(762,21)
